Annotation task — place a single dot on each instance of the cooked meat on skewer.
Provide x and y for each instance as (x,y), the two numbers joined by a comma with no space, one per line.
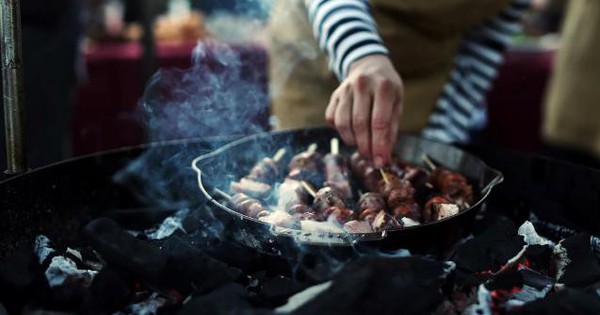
(307,166)
(251,187)
(249,206)
(356,226)
(370,205)
(454,186)
(439,207)
(330,202)
(384,221)
(258,182)
(337,173)
(292,197)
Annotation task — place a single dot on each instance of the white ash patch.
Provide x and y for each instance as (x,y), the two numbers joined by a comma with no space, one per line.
(63,270)
(530,236)
(561,260)
(42,247)
(169,226)
(303,297)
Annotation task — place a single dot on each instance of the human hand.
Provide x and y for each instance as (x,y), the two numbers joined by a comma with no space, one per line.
(366,107)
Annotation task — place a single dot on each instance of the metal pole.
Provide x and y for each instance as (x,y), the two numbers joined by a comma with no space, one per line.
(12,85)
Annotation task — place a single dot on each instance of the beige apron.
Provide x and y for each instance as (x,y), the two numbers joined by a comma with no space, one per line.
(572,108)
(422,36)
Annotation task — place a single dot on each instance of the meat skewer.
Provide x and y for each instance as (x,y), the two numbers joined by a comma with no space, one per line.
(307,166)
(329,202)
(453,185)
(337,174)
(253,208)
(292,195)
(245,204)
(400,197)
(262,175)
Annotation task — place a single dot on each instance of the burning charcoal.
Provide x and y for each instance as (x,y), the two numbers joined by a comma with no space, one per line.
(582,268)
(538,257)
(356,226)
(490,250)
(229,299)
(109,292)
(566,302)
(381,285)
(535,286)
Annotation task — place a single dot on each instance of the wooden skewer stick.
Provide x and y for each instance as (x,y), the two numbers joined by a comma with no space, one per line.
(429,185)
(278,155)
(312,148)
(335,146)
(429,162)
(384,175)
(223,194)
(309,188)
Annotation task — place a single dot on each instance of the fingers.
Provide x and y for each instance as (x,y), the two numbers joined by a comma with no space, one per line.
(381,122)
(331,107)
(361,116)
(343,115)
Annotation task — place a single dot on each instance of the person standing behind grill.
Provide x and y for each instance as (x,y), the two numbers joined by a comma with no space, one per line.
(570,126)
(431,76)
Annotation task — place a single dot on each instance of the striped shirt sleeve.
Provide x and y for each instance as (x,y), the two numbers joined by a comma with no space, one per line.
(476,66)
(345,31)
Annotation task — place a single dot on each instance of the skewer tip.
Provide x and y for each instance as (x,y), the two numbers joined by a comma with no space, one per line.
(429,162)
(312,148)
(223,194)
(279,154)
(335,146)
(384,175)
(308,188)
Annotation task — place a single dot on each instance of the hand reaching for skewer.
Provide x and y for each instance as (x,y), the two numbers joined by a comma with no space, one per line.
(366,108)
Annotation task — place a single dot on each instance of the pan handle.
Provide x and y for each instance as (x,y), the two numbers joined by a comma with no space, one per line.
(492,178)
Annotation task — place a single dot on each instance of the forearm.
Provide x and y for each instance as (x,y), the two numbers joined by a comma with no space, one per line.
(345,31)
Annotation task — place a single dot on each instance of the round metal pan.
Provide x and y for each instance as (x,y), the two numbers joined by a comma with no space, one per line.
(232,161)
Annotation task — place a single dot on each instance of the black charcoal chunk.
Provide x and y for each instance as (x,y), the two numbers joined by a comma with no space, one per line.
(565,302)
(381,285)
(229,299)
(489,250)
(277,290)
(189,267)
(123,250)
(109,292)
(21,278)
(583,268)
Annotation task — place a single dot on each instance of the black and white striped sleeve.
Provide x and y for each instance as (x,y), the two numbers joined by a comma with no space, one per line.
(476,66)
(345,31)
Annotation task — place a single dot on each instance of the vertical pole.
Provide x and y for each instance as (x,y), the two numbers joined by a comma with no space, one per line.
(12,86)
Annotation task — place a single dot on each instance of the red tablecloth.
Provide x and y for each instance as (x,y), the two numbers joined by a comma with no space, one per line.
(106,114)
